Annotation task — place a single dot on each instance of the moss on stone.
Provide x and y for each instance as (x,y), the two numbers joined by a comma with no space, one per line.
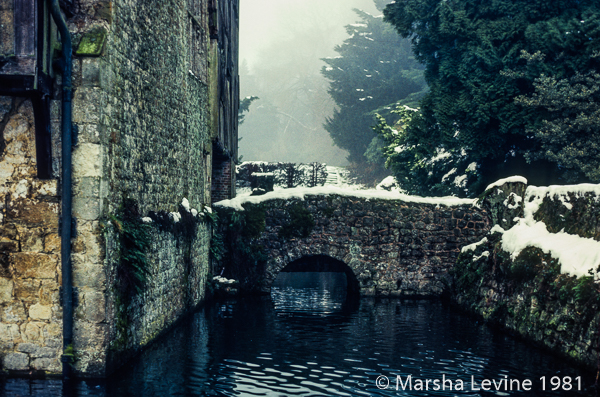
(301,223)
(529,296)
(254,222)
(134,241)
(92,42)
(328,211)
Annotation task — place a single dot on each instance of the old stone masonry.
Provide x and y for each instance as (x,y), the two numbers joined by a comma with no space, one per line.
(394,245)
(147,94)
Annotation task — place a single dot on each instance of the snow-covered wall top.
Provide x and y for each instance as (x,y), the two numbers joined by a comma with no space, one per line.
(563,221)
(301,193)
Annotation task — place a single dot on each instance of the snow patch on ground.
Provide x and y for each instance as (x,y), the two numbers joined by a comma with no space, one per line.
(390,184)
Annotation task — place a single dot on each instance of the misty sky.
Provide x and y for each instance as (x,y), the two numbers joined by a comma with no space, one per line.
(264,22)
(281,43)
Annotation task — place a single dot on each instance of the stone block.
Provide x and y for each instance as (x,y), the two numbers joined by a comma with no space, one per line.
(29,348)
(6,170)
(8,245)
(88,272)
(51,365)
(87,243)
(9,333)
(14,313)
(48,293)
(37,351)
(94,306)
(86,208)
(32,239)
(28,211)
(89,337)
(90,133)
(27,290)
(32,332)
(52,334)
(8,232)
(34,265)
(40,312)
(52,243)
(44,188)
(91,44)
(87,160)
(6,290)
(87,104)
(16,361)
(87,187)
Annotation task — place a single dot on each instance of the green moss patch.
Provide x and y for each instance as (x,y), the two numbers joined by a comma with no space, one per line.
(134,241)
(300,225)
(92,42)
(254,222)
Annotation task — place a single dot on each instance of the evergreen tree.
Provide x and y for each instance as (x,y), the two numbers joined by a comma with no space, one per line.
(568,136)
(374,68)
(472,54)
(245,107)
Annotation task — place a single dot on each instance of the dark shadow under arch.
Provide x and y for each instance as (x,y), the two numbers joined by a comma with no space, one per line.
(324,263)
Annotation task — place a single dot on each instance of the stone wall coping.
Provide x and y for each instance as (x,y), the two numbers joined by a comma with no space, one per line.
(302,192)
(510,179)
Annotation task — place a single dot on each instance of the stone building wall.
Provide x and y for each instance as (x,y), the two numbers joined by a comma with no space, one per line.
(393,247)
(146,139)
(30,313)
(143,106)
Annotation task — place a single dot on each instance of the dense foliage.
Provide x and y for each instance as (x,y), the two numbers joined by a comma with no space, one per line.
(375,68)
(569,134)
(471,129)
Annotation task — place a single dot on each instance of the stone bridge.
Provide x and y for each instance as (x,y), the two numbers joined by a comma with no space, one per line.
(387,244)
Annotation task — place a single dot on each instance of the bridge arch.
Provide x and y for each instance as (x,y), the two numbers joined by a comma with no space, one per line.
(400,246)
(322,263)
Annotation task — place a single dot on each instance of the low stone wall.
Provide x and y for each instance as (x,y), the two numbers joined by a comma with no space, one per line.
(528,295)
(394,247)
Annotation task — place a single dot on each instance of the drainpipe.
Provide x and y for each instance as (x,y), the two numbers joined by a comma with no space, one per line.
(66,178)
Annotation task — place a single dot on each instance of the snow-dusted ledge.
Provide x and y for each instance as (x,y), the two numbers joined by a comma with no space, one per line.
(510,179)
(302,192)
(577,255)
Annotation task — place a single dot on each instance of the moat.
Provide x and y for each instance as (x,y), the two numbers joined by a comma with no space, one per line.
(310,339)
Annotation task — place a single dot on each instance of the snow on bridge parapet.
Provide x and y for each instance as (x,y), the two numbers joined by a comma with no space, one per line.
(394,244)
(302,193)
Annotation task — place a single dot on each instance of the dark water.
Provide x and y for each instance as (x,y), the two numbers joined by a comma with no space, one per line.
(312,341)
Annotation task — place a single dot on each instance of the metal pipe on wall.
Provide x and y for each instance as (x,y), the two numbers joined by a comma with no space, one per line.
(65,65)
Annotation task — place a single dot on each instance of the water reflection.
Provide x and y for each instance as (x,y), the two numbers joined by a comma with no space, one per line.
(312,341)
(312,293)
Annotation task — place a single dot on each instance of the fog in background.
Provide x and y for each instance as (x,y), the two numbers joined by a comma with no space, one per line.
(281,43)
